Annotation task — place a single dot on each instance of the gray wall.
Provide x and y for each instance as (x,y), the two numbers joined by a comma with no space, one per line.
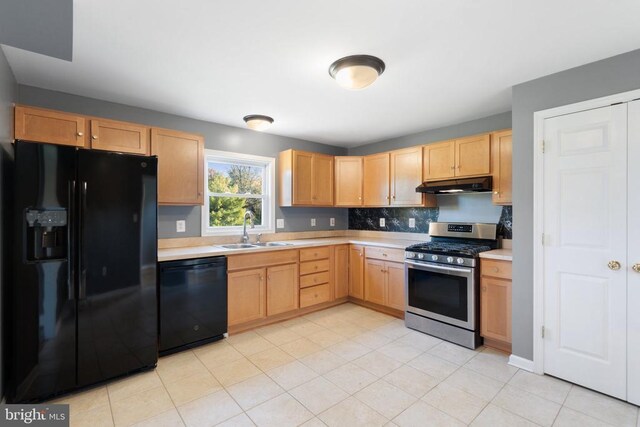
(613,75)
(217,137)
(485,124)
(8,94)
(45,27)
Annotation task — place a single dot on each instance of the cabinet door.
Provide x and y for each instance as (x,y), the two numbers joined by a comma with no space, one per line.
(406,175)
(180,167)
(495,309)
(376,180)
(501,158)
(118,136)
(341,271)
(282,289)
(348,181)
(356,271)
(395,285)
(247,299)
(54,127)
(439,160)
(302,178)
(322,180)
(473,155)
(375,276)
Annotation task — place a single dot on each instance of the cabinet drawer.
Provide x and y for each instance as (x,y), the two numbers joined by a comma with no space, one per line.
(237,262)
(314,253)
(493,268)
(314,295)
(314,266)
(384,254)
(314,279)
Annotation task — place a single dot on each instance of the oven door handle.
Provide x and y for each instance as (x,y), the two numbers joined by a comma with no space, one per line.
(423,266)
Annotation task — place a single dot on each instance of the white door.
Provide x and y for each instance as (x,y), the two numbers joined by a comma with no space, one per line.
(585,226)
(633,303)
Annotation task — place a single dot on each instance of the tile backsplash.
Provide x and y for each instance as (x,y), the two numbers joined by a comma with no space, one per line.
(397,219)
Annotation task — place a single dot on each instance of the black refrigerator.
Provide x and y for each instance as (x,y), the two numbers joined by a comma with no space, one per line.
(83,301)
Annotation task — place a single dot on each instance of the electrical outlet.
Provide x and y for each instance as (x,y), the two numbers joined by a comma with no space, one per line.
(412,223)
(313,222)
(181,226)
(279,223)
(332,222)
(382,222)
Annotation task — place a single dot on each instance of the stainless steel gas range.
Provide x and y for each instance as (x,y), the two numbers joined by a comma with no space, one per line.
(442,280)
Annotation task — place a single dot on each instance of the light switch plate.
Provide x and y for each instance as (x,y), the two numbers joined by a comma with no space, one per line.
(181,226)
(412,223)
(279,223)
(382,222)
(313,222)
(332,222)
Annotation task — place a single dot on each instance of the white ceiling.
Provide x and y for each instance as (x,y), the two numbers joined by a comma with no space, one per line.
(447,61)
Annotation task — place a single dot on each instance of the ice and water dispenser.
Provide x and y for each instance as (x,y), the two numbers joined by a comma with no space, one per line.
(46,234)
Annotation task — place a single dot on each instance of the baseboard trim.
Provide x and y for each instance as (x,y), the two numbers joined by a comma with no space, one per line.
(521,362)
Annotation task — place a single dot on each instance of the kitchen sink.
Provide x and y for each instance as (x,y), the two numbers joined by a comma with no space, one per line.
(239,246)
(273,244)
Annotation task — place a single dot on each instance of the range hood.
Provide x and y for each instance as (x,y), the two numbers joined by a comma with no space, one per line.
(456,186)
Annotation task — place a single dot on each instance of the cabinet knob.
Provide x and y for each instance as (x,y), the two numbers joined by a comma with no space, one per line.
(614,265)
(394,197)
(496,269)
(484,289)
(383,254)
(80,133)
(382,270)
(453,167)
(359,198)
(269,277)
(387,197)
(496,192)
(636,267)
(94,136)
(315,268)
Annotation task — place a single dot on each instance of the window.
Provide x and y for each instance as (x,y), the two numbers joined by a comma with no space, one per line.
(237,183)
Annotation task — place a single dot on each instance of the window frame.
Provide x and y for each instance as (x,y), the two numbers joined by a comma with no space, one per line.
(268,197)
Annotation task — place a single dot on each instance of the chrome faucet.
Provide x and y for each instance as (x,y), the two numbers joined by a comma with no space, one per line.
(248,215)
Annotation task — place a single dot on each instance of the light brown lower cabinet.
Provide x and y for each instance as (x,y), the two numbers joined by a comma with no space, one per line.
(356,271)
(247,296)
(282,289)
(384,283)
(374,281)
(341,271)
(395,285)
(495,303)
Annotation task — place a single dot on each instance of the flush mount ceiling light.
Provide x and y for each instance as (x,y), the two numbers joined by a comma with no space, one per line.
(258,121)
(356,71)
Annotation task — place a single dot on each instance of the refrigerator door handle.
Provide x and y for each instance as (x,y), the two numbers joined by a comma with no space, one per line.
(82,291)
(71,279)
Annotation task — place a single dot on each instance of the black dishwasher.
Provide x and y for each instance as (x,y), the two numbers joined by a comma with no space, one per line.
(193,303)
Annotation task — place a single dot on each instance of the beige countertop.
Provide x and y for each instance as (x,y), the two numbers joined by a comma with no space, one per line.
(499,254)
(215,250)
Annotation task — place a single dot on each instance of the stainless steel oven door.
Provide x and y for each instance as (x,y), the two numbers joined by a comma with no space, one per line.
(441,292)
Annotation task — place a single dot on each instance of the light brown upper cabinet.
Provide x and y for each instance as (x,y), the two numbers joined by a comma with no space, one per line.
(473,155)
(501,155)
(376,180)
(470,156)
(54,127)
(406,175)
(305,179)
(180,166)
(348,182)
(119,136)
(439,160)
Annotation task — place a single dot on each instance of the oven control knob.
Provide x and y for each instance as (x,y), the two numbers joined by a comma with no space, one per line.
(420,256)
(434,257)
(450,259)
(460,261)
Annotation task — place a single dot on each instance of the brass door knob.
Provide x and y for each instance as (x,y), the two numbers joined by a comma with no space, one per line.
(80,134)
(614,265)
(94,136)
(636,267)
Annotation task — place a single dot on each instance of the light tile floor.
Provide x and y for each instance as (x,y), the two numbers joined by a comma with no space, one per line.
(344,366)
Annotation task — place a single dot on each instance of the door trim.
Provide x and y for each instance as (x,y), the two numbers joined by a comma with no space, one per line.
(538,208)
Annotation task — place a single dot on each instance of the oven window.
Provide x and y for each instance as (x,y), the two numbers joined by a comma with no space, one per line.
(438,293)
